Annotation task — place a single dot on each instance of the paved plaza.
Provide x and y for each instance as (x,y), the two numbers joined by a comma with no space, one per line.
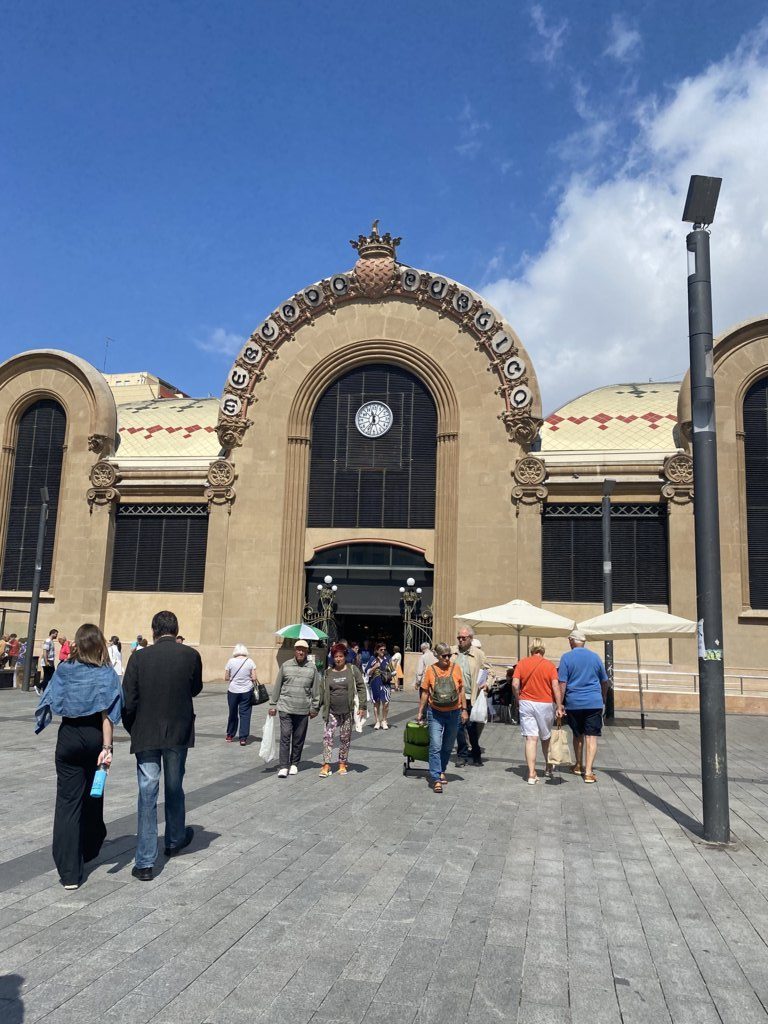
(370,899)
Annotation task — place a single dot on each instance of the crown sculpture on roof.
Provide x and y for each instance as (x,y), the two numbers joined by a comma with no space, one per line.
(375,268)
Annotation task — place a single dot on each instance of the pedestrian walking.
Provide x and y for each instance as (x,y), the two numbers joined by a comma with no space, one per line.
(341,682)
(49,657)
(442,693)
(396,662)
(476,672)
(158,689)
(583,683)
(64,649)
(240,673)
(426,658)
(296,696)
(85,692)
(13,650)
(379,678)
(535,686)
(116,654)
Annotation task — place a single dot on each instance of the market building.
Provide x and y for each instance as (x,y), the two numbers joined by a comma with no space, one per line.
(382,424)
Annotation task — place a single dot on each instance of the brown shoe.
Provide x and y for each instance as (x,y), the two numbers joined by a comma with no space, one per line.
(590,778)
(576,769)
(325,771)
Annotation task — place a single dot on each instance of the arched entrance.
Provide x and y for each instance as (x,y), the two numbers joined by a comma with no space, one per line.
(369,576)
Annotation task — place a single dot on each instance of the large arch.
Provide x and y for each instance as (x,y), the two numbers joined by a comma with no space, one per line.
(378,277)
(298,441)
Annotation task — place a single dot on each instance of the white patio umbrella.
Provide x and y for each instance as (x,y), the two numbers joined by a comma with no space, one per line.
(517,617)
(634,622)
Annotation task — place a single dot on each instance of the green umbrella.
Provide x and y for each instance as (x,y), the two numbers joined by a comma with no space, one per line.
(301,631)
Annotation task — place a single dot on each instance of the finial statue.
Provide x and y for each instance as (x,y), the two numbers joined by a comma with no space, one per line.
(375,245)
(375,229)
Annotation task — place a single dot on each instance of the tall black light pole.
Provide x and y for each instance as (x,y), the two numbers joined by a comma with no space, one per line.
(700,206)
(608,486)
(36,581)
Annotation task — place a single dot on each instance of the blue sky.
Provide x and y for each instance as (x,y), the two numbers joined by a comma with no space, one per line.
(170,172)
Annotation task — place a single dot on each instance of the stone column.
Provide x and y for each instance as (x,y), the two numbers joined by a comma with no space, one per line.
(681,548)
(7,456)
(528,495)
(446,539)
(290,598)
(220,493)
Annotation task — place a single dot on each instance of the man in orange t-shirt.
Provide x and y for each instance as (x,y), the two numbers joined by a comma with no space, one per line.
(535,685)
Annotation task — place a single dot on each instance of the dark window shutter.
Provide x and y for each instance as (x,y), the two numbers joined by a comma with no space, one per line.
(355,481)
(37,463)
(160,548)
(572,553)
(756,472)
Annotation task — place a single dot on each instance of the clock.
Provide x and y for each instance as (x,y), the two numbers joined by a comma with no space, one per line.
(373,419)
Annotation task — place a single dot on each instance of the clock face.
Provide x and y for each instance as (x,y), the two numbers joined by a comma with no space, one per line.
(373,419)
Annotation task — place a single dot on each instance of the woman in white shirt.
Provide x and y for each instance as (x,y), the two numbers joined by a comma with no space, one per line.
(116,655)
(240,673)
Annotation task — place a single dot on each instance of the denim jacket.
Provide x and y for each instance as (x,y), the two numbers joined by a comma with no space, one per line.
(77,690)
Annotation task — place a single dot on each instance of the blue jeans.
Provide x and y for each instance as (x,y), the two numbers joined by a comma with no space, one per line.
(148,763)
(239,703)
(443,726)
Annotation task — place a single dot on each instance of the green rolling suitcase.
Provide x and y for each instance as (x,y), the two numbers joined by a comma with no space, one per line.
(415,744)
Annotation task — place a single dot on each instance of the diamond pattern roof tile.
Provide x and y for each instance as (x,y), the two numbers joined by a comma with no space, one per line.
(168,428)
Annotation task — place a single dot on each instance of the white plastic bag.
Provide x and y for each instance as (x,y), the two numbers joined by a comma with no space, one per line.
(359,722)
(269,741)
(479,712)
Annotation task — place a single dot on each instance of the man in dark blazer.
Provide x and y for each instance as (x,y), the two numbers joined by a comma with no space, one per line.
(158,686)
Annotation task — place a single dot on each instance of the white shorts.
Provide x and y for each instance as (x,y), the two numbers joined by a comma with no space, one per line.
(536,718)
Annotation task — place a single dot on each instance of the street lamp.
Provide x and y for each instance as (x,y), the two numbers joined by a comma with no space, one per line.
(608,486)
(410,595)
(700,205)
(37,580)
(326,598)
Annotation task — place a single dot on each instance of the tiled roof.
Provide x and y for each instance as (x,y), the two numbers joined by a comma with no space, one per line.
(622,417)
(168,428)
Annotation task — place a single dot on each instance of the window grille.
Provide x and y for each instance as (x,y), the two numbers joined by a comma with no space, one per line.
(356,481)
(756,473)
(38,461)
(160,548)
(572,553)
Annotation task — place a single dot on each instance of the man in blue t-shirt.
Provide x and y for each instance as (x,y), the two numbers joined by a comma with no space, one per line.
(583,683)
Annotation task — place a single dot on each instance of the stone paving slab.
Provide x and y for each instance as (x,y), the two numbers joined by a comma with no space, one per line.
(368,898)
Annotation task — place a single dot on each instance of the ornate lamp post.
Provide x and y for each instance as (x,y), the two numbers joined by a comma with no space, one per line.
(410,596)
(323,615)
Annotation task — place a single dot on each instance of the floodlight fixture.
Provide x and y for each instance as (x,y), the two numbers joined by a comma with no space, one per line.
(701,201)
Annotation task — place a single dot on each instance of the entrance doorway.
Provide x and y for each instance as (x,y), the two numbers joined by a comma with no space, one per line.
(368,577)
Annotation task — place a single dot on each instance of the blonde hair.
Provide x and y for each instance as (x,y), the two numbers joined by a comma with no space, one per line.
(537,647)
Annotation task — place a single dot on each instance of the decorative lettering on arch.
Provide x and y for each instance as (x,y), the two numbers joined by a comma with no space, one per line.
(516,383)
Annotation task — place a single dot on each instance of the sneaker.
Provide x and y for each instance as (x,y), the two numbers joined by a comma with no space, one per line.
(230,738)
(325,771)
(377,726)
(385,725)
(75,886)
(283,773)
(343,770)
(532,780)
(38,691)
(293,770)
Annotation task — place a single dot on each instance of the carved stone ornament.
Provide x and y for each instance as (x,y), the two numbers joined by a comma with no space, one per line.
(231,431)
(529,475)
(221,476)
(103,477)
(100,444)
(376,269)
(521,426)
(678,475)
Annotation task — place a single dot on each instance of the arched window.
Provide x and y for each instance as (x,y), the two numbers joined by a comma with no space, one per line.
(374,449)
(756,473)
(38,460)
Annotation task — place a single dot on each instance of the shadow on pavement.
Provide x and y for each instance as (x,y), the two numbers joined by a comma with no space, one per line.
(120,851)
(681,817)
(11,1003)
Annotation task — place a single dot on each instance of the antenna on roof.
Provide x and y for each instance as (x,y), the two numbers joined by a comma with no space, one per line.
(106,349)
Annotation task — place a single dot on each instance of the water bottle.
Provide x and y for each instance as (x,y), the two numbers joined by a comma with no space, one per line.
(99,781)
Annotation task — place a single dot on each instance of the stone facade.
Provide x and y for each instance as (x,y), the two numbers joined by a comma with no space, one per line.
(250,464)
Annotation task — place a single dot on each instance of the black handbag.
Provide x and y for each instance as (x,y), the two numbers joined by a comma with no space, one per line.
(259,695)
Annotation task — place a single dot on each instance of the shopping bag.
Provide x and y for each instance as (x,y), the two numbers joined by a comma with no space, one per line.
(269,740)
(479,712)
(559,751)
(359,722)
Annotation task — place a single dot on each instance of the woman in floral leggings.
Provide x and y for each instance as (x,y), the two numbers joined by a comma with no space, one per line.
(340,684)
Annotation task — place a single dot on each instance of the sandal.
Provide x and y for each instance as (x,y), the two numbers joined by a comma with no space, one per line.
(590,778)
(437,786)
(576,769)
(443,779)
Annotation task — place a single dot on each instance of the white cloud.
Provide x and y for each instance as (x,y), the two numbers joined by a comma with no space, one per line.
(221,342)
(624,41)
(471,129)
(550,33)
(605,300)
